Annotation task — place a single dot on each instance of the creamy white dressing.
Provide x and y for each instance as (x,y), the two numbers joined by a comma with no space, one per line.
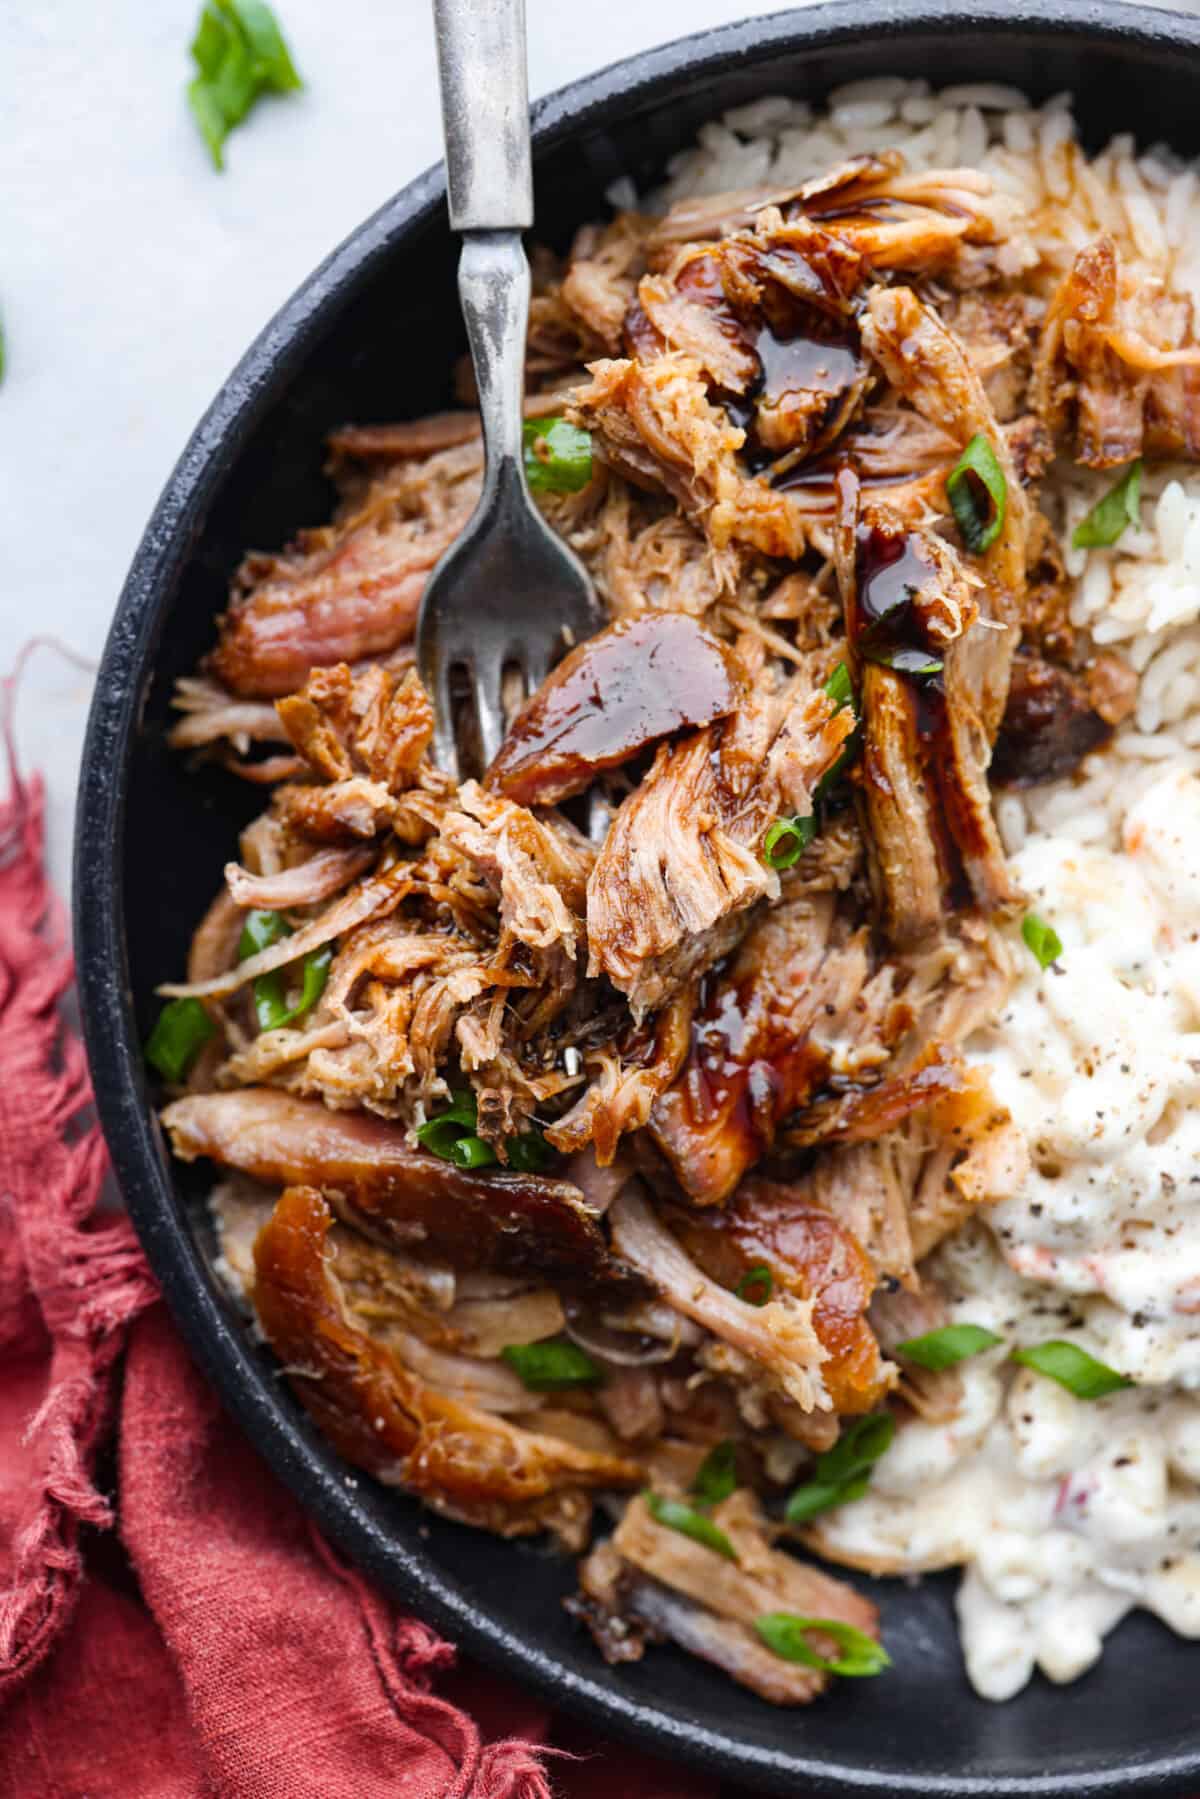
(1066,1513)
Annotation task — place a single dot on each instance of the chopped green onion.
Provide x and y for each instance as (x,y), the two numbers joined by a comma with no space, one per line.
(756,1285)
(528,1153)
(240,54)
(1073,1368)
(786,1636)
(839,687)
(843,1473)
(787,840)
(270,1000)
(690,1523)
(471,1152)
(951,1344)
(550,1366)
(1042,939)
(716,1477)
(1121,506)
(261,930)
(977,492)
(182,1029)
(558,456)
(906,660)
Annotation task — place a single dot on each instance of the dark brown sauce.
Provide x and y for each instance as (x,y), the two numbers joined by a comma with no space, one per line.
(891,571)
(640,680)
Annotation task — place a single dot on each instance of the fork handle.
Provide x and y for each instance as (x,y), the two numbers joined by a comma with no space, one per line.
(493,285)
(485,113)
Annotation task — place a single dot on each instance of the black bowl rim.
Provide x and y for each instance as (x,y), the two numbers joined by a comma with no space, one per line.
(314,1475)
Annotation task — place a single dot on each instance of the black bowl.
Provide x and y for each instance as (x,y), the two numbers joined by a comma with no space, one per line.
(372,335)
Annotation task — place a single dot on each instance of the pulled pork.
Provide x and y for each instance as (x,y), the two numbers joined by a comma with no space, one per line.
(552,1161)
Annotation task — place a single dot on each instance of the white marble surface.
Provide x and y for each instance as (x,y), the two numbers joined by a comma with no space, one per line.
(132,275)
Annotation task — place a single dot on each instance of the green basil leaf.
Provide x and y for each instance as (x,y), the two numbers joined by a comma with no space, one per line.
(551,1366)
(1042,939)
(716,1477)
(690,1523)
(977,493)
(558,456)
(1073,1368)
(945,1347)
(787,840)
(240,54)
(786,1635)
(756,1285)
(1121,506)
(181,1030)
(260,30)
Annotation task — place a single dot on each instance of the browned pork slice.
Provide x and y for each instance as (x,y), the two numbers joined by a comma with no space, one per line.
(515,1223)
(381,1416)
(1055,717)
(1118,367)
(935,643)
(640,680)
(682,862)
(811,1255)
(350,589)
(648,1581)
(798,997)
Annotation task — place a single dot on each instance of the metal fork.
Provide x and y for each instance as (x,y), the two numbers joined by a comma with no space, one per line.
(508,594)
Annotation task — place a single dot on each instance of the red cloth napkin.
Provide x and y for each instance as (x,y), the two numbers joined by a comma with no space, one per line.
(170,1623)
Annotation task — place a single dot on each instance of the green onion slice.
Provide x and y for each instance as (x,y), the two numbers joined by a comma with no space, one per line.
(240,54)
(716,1477)
(1041,939)
(839,687)
(558,456)
(471,1152)
(182,1029)
(1121,506)
(440,1134)
(786,1635)
(1073,1368)
(551,1366)
(843,1473)
(676,1515)
(756,1285)
(945,1347)
(977,492)
(907,659)
(270,1000)
(260,930)
(528,1153)
(787,840)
